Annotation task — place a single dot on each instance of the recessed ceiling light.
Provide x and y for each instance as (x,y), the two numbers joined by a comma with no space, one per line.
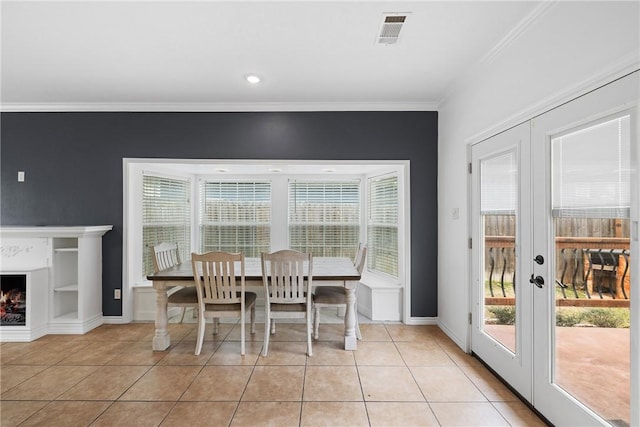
(275,170)
(253,79)
(222,170)
(328,170)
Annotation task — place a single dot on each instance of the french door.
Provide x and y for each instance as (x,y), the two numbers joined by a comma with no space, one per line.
(585,178)
(555,259)
(501,326)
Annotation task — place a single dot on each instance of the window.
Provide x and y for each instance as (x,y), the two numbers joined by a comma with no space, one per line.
(324,217)
(166,214)
(382,225)
(592,171)
(235,217)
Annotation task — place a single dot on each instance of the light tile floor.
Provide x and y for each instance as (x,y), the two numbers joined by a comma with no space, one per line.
(399,376)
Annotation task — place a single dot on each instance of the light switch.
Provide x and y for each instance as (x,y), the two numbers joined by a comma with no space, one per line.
(20,176)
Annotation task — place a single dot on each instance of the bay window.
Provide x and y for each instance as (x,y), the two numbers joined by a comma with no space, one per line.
(382,225)
(324,217)
(166,215)
(235,217)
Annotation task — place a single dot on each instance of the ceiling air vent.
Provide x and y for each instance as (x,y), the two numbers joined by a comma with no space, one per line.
(390,28)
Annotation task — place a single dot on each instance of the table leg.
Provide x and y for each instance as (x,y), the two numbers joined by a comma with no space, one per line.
(350,338)
(161,340)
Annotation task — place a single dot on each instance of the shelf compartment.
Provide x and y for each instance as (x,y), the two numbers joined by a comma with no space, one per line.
(67,288)
(70,316)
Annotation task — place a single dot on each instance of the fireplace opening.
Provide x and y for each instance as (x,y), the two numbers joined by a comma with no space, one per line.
(13,300)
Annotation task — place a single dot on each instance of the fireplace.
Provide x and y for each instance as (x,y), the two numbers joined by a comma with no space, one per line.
(13,300)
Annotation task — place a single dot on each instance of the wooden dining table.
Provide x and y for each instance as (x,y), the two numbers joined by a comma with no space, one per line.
(327,271)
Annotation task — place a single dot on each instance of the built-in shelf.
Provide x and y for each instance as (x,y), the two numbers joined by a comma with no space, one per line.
(71,316)
(71,258)
(68,288)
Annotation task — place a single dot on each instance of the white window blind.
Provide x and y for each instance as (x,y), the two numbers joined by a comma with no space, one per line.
(166,216)
(235,217)
(592,171)
(324,217)
(382,227)
(499,178)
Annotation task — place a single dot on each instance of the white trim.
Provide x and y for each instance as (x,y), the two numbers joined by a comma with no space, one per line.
(497,49)
(416,321)
(115,320)
(465,346)
(513,35)
(66,327)
(54,231)
(216,107)
(608,74)
(405,244)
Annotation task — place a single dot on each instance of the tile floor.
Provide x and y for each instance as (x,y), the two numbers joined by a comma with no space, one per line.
(399,376)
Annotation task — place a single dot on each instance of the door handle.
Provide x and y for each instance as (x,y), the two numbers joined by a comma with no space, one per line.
(537,280)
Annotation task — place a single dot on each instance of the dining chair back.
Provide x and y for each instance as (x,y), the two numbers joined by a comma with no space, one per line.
(336,296)
(219,294)
(287,276)
(166,255)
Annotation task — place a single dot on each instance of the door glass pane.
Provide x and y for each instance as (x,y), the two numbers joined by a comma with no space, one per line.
(590,182)
(498,202)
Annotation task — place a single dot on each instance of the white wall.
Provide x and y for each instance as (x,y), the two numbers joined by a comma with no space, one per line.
(563,50)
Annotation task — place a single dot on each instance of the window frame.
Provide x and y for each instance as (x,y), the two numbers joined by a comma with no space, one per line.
(202,182)
(279,173)
(354,182)
(183,246)
(395,225)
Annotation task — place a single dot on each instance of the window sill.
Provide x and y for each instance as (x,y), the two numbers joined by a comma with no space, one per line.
(373,280)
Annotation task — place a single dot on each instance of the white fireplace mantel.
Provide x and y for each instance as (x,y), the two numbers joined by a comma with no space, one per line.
(53,231)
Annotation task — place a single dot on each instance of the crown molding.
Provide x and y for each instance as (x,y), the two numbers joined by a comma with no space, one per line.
(216,107)
(515,33)
(497,49)
(627,65)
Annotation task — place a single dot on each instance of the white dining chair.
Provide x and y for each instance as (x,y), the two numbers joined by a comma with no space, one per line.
(336,296)
(219,293)
(166,255)
(287,276)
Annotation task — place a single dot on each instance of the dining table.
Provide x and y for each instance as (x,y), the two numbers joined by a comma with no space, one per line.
(327,271)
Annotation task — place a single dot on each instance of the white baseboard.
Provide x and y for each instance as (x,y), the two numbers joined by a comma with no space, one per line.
(115,320)
(414,321)
(461,343)
(22,333)
(74,327)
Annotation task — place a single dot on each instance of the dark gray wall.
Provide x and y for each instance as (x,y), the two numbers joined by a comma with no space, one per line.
(73,165)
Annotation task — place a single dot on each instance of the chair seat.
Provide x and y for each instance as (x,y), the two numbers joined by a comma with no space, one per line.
(330,289)
(330,295)
(301,307)
(187,295)
(249,298)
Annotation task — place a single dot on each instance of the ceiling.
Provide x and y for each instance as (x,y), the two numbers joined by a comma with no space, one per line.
(194,55)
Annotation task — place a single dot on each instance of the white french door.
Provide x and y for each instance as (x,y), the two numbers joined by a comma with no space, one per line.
(502,300)
(555,258)
(584,206)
